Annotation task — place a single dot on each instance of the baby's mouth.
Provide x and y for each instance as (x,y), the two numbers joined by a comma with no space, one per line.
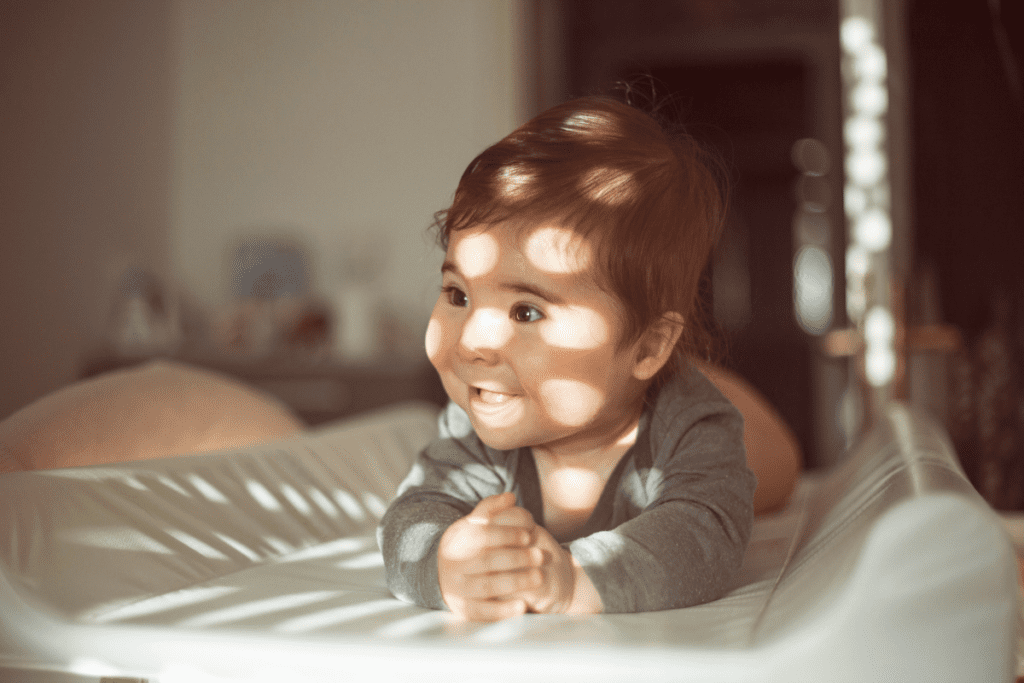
(492,397)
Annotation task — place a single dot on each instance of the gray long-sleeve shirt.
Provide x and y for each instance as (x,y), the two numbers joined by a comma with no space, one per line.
(669,529)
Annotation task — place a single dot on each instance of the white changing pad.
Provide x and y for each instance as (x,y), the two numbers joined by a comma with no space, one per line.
(260,565)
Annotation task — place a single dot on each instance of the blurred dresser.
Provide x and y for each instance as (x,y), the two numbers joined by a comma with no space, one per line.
(318,391)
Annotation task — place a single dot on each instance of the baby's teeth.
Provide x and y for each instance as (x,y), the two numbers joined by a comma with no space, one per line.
(493,396)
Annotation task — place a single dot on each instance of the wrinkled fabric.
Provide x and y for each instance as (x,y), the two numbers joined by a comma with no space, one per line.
(260,565)
(668,531)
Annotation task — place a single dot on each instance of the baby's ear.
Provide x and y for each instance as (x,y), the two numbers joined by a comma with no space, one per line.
(655,347)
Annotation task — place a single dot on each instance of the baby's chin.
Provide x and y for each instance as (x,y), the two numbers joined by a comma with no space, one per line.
(506,438)
(498,440)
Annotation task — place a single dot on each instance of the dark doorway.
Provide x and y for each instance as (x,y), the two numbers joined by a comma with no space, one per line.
(752,113)
(749,80)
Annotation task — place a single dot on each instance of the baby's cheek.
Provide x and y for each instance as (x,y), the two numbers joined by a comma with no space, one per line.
(576,328)
(434,339)
(571,402)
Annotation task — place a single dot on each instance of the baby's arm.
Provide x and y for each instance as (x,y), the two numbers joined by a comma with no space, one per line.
(686,545)
(450,478)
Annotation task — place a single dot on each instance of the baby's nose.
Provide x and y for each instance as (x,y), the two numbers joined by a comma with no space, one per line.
(486,329)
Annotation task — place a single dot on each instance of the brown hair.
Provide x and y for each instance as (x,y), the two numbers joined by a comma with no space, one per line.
(652,203)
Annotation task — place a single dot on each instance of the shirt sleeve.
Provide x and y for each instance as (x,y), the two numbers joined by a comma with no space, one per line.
(448,479)
(688,540)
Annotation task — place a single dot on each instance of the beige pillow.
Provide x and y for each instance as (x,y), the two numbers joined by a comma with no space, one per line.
(773,452)
(160,409)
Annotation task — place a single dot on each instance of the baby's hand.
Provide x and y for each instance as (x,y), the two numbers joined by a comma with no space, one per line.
(554,594)
(486,563)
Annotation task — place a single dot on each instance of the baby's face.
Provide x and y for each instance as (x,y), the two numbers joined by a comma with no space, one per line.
(526,343)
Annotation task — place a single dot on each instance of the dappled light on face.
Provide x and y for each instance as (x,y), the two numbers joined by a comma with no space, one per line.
(432,340)
(487,328)
(608,185)
(476,254)
(570,402)
(577,327)
(558,251)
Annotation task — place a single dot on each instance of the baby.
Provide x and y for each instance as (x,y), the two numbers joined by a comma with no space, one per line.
(583,464)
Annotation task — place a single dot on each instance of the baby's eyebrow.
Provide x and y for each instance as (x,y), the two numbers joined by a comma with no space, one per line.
(530,288)
(517,286)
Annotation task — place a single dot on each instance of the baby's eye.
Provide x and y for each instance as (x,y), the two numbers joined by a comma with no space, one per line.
(525,313)
(455,296)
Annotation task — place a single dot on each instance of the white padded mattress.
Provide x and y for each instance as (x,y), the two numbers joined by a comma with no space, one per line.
(260,565)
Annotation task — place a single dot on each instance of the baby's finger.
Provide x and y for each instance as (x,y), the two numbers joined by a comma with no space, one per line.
(501,584)
(490,506)
(505,560)
(514,516)
(493,536)
(492,610)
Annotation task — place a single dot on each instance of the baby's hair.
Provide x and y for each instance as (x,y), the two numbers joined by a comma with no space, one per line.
(651,202)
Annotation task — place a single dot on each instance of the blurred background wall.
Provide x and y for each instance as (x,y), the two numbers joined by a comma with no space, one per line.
(162,134)
(348,122)
(155,134)
(87,96)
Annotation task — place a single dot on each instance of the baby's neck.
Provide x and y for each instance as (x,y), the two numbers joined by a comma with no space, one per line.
(595,457)
(572,481)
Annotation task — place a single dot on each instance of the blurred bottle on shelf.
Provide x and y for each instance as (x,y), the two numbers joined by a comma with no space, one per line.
(144,318)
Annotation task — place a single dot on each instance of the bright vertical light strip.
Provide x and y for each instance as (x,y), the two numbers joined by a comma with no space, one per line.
(813,289)
(866,200)
(812,265)
(879,334)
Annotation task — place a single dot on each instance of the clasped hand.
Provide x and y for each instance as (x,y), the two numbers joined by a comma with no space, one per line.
(496,563)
